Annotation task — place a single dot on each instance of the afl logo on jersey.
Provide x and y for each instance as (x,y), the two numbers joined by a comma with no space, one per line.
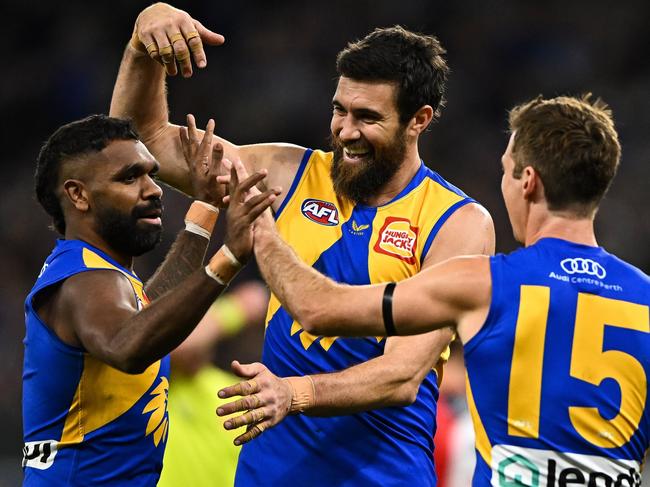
(321,212)
(583,266)
(398,238)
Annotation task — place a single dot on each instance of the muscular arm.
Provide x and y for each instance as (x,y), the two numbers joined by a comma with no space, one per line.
(140,94)
(107,324)
(392,379)
(97,310)
(185,256)
(356,310)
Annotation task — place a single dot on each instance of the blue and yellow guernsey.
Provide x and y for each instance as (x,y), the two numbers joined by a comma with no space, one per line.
(86,423)
(354,244)
(558,375)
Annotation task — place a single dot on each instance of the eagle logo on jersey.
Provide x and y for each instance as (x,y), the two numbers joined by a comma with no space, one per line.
(158,423)
(321,212)
(357,229)
(398,238)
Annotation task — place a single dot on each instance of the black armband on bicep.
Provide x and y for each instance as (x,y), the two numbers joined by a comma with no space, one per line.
(387,309)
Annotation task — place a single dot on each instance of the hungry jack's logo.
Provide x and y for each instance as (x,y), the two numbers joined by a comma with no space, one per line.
(398,238)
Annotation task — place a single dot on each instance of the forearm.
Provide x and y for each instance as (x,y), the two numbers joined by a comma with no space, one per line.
(139,94)
(290,279)
(366,386)
(163,325)
(185,256)
(392,379)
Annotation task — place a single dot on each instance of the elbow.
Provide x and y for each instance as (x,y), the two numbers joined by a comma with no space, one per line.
(402,387)
(322,316)
(131,366)
(128,360)
(150,131)
(316,320)
(405,395)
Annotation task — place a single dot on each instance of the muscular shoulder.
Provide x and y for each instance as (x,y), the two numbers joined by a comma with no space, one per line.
(279,159)
(84,297)
(276,157)
(469,230)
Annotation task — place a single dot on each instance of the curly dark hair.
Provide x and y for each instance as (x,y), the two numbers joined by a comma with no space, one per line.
(413,61)
(85,136)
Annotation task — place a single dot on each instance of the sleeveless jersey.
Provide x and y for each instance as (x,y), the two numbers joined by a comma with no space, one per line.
(84,422)
(557,376)
(354,244)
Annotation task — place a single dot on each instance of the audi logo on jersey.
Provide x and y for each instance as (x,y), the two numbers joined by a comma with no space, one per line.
(578,265)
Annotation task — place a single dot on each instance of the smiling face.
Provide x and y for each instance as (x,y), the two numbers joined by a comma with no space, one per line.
(125,200)
(368,140)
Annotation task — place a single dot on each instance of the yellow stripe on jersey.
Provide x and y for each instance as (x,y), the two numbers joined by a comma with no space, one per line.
(396,259)
(94,261)
(483,445)
(392,256)
(103,394)
(525,390)
(302,231)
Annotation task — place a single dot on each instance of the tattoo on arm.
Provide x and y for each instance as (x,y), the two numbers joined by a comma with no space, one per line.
(185,256)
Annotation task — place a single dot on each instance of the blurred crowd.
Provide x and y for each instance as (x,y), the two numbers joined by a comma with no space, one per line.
(273,81)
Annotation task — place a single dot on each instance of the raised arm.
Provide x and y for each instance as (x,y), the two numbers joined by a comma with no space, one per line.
(188,250)
(106,321)
(140,94)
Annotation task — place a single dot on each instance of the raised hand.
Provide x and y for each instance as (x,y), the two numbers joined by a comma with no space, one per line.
(265,397)
(263,222)
(204,161)
(170,35)
(246,203)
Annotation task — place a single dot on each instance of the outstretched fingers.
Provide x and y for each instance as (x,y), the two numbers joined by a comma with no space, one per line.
(192,132)
(185,143)
(171,36)
(252,432)
(244,388)
(256,205)
(205,148)
(248,418)
(246,403)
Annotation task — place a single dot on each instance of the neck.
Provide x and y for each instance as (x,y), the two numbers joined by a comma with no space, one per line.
(92,238)
(399,181)
(562,225)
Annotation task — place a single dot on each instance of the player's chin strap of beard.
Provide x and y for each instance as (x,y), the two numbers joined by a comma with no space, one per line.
(387,309)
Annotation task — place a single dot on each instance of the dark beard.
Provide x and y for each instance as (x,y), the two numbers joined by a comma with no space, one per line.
(362,181)
(124,233)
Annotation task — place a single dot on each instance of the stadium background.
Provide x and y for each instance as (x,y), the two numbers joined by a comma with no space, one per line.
(273,81)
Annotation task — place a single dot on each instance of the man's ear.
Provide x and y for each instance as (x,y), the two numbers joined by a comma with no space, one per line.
(531,183)
(420,120)
(76,193)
